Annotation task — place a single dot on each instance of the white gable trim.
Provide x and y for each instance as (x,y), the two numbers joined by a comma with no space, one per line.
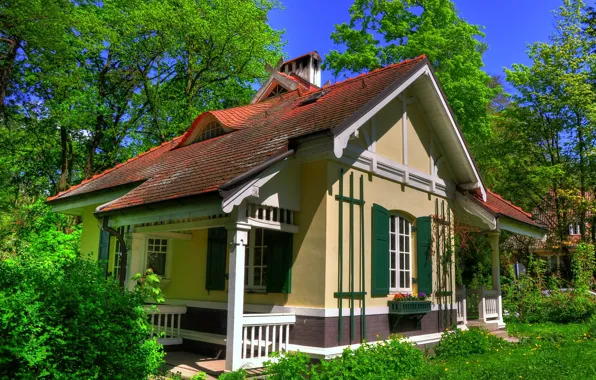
(340,141)
(280,80)
(251,188)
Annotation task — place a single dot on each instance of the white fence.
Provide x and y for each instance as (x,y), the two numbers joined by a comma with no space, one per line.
(487,304)
(491,304)
(263,334)
(165,320)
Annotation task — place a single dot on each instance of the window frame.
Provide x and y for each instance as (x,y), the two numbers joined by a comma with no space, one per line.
(249,266)
(168,262)
(395,217)
(211,130)
(574,229)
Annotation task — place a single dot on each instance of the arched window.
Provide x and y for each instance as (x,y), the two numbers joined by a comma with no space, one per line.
(400,254)
(211,130)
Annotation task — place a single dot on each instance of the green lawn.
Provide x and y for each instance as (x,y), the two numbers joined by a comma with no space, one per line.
(546,352)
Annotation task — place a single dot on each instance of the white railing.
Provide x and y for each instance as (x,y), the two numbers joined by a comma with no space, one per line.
(165,320)
(491,304)
(460,302)
(263,334)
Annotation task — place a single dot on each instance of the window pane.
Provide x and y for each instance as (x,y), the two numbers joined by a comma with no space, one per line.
(401,243)
(407,280)
(264,275)
(402,280)
(259,237)
(151,241)
(392,263)
(406,247)
(392,239)
(257,256)
(401,262)
(406,262)
(392,281)
(257,277)
(392,228)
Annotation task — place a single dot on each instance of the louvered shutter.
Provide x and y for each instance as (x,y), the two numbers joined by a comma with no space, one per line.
(380,252)
(216,259)
(279,257)
(424,254)
(104,250)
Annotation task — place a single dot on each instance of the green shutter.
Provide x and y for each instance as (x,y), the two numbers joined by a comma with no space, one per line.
(216,259)
(380,252)
(279,261)
(424,255)
(104,250)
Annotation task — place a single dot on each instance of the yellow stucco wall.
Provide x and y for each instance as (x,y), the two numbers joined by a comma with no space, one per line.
(395,197)
(418,140)
(90,234)
(189,258)
(389,131)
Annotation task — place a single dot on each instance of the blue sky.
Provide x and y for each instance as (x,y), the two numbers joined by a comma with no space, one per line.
(509,26)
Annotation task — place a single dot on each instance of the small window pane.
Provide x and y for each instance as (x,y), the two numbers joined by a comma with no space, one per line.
(392,228)
(392,282)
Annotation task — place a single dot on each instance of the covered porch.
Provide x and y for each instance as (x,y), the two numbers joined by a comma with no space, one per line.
(483,306)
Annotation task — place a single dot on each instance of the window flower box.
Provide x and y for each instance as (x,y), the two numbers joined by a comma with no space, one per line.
(409,307)
(409,304)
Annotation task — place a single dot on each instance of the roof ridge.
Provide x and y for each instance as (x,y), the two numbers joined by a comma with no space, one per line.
(370,73)
(529,215)
(105,172)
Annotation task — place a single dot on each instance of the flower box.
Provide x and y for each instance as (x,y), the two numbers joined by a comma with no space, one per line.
(409,307)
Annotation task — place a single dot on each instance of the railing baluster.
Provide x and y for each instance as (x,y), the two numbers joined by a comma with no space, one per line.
(179,321)
(260,340)
(158,325)
(273,339)
(287,338)
(267,341)
(280,343)
(252,341)
(244,328)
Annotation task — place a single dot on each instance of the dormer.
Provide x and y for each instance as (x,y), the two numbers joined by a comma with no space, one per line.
(205,127)
(303,72)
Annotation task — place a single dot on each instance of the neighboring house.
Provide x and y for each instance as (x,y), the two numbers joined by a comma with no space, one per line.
(564,231)
(290,223)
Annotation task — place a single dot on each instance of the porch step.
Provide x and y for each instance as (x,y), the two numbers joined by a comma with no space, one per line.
(490,326)
(503,334)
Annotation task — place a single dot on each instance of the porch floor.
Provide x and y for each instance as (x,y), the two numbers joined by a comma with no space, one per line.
(188,364)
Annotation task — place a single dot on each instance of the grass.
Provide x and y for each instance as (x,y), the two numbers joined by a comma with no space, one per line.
(546,351)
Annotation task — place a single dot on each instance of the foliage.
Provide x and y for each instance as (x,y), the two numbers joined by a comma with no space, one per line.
(236,375)
(392,359)
(384,32)
(148,286)
(569,355)
(61,319)
(461,343)
(537,298)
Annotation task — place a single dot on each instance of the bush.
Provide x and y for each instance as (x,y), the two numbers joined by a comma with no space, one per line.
(236,375)
(393,359)
(61,319)
(461,343)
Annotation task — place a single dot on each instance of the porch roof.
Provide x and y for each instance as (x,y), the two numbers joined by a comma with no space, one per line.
(258,133)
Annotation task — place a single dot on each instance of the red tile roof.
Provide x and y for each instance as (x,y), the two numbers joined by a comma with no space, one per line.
(498,206)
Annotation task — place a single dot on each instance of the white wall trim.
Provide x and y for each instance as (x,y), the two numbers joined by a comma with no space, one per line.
(301,311)
(386,168)
(520,228)
(73,207)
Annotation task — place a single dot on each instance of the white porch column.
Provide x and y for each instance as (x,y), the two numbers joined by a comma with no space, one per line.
(238,240)
(493,238)
(136,258)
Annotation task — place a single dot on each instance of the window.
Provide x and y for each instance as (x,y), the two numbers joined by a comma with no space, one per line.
(255,267)
(574,229)
(211,130)
(157,251)
(400,254)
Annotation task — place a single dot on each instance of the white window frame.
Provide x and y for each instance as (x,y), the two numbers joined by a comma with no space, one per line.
(398,251)
(168,267)
(574,229)
(249,284)
(117,255)
(211,130)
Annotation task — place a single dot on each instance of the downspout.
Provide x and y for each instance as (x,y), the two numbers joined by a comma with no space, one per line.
(103,220)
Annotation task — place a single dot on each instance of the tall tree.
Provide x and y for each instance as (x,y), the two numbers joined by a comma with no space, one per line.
(381,32)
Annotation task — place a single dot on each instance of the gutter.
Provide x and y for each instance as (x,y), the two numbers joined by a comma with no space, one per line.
(227,186)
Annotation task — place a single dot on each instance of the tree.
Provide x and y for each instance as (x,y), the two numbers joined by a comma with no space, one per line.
(544,141)
(381,32)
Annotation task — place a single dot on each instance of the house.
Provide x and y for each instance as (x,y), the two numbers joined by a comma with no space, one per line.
(291,222)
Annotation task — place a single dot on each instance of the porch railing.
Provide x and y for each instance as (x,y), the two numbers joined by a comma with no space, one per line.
(484,304)
(461,304)
(165,320)
(263,334)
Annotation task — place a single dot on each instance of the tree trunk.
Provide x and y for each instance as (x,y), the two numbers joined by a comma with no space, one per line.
(6,69)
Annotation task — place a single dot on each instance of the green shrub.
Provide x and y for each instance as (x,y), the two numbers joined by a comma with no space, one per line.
(393,359)
(461,343)
(61,319)
(236,375)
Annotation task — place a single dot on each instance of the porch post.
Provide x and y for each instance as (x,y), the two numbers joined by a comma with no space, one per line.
(136,258)
(493,238)
(238,240)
